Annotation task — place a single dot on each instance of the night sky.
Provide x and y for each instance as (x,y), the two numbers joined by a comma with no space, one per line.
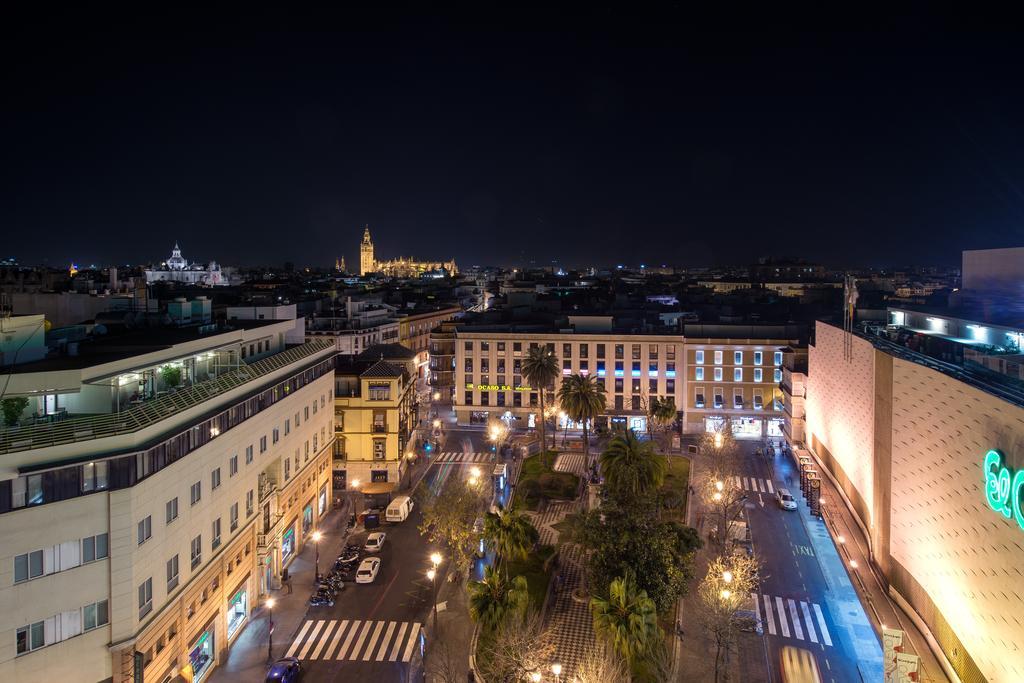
(599,137)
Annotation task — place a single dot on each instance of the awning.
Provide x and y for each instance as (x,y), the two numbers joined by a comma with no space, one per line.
(377,487)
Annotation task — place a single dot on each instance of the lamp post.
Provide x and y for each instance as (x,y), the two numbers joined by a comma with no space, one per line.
(556,669)
(316,542)
(535,676)
(435,561)
(270,633)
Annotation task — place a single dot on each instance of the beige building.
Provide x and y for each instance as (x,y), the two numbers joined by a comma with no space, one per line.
(414,332)
(157,486)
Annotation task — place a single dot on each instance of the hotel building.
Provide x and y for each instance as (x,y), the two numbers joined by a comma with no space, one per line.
(155,487)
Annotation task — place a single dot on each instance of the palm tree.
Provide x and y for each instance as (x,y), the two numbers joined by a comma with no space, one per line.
(582,399)
(627,620)
(510,534)
(540,368)
(631,466)
(494,599)
(661,412)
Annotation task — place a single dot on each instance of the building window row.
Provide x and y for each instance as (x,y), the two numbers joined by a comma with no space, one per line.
(60,557)
(61,627)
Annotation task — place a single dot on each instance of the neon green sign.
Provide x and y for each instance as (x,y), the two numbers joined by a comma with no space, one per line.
(1003,488)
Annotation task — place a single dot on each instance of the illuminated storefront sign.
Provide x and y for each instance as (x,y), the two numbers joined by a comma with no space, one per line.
(499,387)
(1003,488)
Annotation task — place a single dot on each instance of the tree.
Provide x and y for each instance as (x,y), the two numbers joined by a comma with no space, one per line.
(496,599)
(171,375)
(661,414)
(540,368)
(582,399)
(601,664)
(631,468)
(723,592)
(518,648)
(627,620)
(510,534)
(13,408)
(448,518)
(719,488)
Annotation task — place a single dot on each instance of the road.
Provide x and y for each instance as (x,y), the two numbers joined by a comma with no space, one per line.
(793,591)
(374,632)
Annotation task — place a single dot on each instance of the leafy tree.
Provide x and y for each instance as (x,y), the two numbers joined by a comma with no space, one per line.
(171,375)
(448,518)
(510,534)
(725,588)
(627,620)
(582,399)
(496,599)
(540,368)
(13,408)
(631,468)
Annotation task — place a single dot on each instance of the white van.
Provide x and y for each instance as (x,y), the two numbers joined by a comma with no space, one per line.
(399,509)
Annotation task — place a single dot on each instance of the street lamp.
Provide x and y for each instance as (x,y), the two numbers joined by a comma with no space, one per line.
(435,560)
(437,395)
(535,677)
(719,485)
(726,593)
(556,669)
(727,576)
(270,633)
(718,440)
(316,541)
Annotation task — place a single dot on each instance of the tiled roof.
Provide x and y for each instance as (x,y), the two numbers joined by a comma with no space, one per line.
(381,370)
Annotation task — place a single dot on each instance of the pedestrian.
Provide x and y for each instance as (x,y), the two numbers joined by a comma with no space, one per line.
(286,579)
(679,629)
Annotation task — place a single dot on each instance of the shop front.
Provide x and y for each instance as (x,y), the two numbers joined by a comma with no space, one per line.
(238,608)
(288,544)
(200,654)
(774,425)
(715,423)
(307,519)
(747,427)
(638,425)
(479,417)
(322,500)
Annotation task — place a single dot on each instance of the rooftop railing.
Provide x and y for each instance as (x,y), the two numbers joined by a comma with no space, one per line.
(137,417)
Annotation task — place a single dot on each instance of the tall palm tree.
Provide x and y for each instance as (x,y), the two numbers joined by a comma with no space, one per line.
(511,534)
(631,466)
(582,399)
(540,368)
(495,599)
(627,620)
(661,412)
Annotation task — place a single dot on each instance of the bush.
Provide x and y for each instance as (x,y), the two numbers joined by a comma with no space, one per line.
(13,408)
(557,486)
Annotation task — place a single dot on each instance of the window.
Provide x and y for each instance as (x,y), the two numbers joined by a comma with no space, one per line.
(584,351)
(145,597)
(468,365)
(287,469)
(635,370)
(468,346)
(737,400)
(485,347)
(305,413)
(379,449)
(215,479)
(171,509)
(94,476)
(652,352)
(600,350)
(468,398)
(263,444)
(757,374)
(699,357)
(719,401)
(233,466)
(248,455)
(698,401)
(27,490)
(28,566)
(652,370)
(95,615)
(670,352)
(501,347)
(636,351)
(698,373)
(652,385)
(758,400)
(566,350)
(172,573)
(737,374)
(618,385)
(778,357)
(297,420)
(145,529)
(718,357)
(778,374)
(600,368)
(485,399)
(276,433)
(380,392)
(737,358)
(287,426)
(215,543)
(618,403)
(718,374)
(635,403)
(670,386)
(30,638)
(234,516)
(618,350)
(196,492)
(517,348)
(566,367)
(94,547)
(636,386)
(249,503)
(757,357)
(485,365)
(197,551)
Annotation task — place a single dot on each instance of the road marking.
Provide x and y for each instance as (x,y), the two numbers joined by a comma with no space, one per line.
(298,639)
(323,641)
(808,622)
(398,642)
(387,639)
(337,637)
(821,625)
(797,631)
(768,615)
(771,489)
(760,500)
(739,484)
(412,642)
(373,641)
(310,640)
(357,648)
(757,606)
(348,640)
(782,616)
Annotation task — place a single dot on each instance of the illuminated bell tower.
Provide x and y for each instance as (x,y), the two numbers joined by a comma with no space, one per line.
(366,263)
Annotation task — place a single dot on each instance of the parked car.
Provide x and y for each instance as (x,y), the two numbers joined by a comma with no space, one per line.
(399,509)
(374,542)
(287,670)
(368,570)
(785,499)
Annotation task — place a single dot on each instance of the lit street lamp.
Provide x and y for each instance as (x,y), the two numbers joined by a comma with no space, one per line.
(435,560)
(270,634)
(535,677)
(316,542)
(556,669)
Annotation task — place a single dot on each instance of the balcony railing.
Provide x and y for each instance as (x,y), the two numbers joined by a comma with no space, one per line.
(151,412)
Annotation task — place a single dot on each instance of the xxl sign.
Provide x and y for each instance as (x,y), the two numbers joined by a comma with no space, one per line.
(1003,488)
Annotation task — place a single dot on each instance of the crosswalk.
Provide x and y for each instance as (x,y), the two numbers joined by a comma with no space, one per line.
(460,457)
(791,618)
(754,484)
(571,462)
(355,640)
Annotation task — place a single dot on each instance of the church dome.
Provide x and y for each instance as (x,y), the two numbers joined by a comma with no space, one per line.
(177,261)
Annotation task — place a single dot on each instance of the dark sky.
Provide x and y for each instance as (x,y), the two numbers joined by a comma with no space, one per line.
(598,137)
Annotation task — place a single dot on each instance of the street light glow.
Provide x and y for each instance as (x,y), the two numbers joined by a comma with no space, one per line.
(719,485)
(474,471)
(556,669)
(726,593)
(436,558)
(727,576)
(718,439)
(535,677)
(717,497)
(317,536)
(270,603)
(431,574)
(355,483)
(437,424)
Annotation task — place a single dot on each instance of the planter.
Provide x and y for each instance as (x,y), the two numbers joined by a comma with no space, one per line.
(580,596)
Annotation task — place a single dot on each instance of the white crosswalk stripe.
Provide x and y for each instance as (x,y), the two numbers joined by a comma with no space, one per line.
(755,484)
(458,457)
(571,462)
(360,640)
(783,617)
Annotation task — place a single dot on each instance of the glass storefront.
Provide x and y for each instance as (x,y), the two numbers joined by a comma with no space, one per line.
(746,427)
(322,500)
(307,519)
(238,609)
(714,424)
(288,544)
(638,424)
(479,417)
(775,426)
(200,655)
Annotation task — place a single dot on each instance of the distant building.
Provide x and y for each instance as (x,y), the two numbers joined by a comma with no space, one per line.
(178,269)
(400,267)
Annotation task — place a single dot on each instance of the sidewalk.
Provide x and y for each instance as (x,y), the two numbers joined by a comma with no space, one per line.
(247,659)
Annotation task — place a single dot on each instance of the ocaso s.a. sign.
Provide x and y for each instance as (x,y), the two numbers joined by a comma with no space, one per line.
(1003,488)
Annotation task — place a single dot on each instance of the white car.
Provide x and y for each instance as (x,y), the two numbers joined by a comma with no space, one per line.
(375,541)
(785,500)
(368,570)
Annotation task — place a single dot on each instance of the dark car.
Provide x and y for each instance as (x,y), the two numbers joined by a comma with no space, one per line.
(287,670)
